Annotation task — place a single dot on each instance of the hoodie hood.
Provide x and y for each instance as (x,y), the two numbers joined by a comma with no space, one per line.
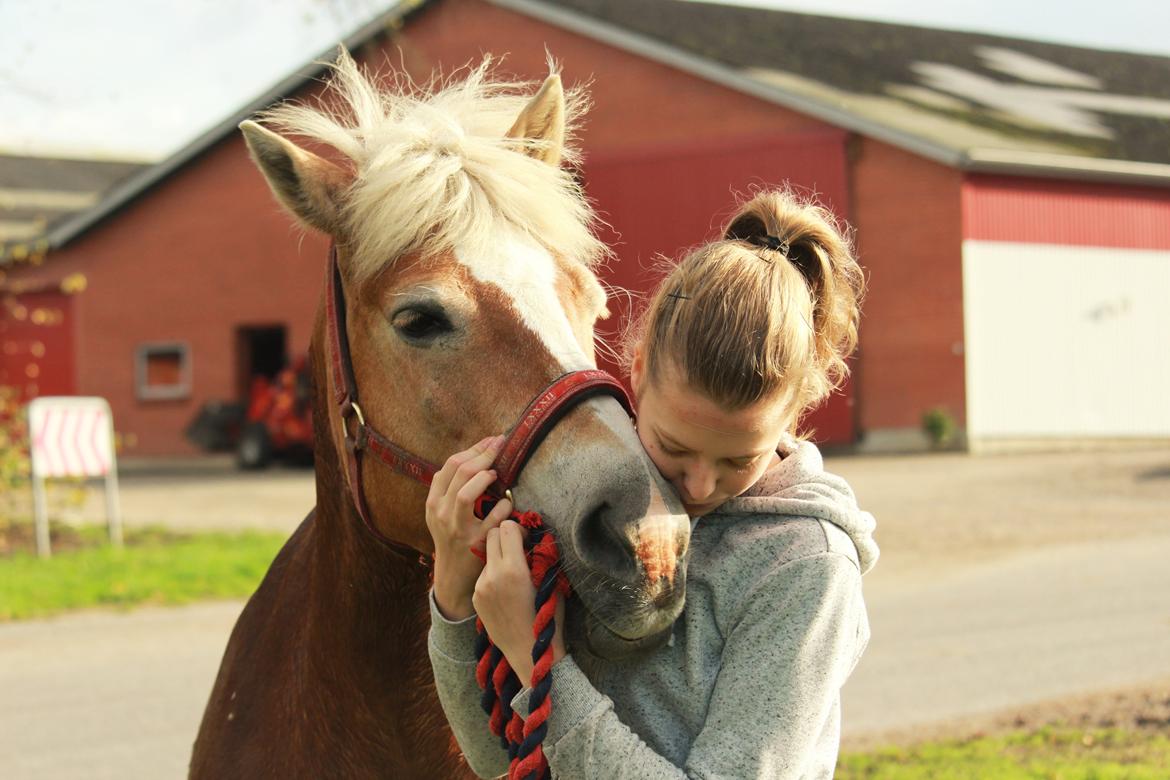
(799,486)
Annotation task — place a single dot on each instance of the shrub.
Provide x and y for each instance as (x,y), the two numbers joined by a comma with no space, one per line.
(15,466)
(939,426)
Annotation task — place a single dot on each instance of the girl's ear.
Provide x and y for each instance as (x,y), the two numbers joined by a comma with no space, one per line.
(637,371)
(309,186)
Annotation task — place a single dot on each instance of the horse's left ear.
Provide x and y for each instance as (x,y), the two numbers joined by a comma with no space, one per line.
(542,122)
(306,184)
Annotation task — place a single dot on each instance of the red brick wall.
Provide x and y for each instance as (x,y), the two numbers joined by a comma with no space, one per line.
(206,251)
(907,212)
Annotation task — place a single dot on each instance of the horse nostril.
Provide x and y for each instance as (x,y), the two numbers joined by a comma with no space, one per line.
(602,543)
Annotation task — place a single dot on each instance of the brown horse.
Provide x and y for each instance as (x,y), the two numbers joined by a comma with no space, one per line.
(464,252)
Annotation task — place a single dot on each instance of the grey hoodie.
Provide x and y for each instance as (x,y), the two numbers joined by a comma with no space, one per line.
(748,685)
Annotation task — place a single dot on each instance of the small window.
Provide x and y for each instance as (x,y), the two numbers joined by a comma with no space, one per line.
(163,371)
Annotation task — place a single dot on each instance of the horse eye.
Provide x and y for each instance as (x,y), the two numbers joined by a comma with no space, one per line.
(421,325)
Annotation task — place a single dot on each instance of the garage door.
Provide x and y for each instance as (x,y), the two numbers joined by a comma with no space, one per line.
(1066,341)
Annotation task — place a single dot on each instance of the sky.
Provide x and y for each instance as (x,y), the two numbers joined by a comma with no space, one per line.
(1123,25)
(138,79)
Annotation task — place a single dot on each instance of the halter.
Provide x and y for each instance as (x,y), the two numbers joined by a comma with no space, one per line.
(544,412)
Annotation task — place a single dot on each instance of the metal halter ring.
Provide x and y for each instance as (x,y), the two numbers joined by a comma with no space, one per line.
(358,411)
(359,437)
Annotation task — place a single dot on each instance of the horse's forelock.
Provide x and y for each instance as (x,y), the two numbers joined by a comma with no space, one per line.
(433,171)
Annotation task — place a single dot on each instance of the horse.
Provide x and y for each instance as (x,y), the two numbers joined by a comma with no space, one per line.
(464,256)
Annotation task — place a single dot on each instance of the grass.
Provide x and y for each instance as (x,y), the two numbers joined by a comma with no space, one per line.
(156,566)
(1048,753)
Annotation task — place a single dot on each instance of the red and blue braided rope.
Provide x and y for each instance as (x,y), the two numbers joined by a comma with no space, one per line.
(523,738)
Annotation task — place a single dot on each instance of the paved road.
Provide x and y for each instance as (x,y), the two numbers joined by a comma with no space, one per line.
(1044,625)
(107,696)
(120,695)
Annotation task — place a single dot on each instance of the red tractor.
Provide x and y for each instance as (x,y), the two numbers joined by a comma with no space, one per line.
(276,421)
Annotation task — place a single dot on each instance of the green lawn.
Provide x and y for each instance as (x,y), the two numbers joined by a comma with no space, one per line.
(1050,753)
(155,567)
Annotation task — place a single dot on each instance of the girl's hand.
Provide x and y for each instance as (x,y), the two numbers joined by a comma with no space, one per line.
(455,528)
(505,600)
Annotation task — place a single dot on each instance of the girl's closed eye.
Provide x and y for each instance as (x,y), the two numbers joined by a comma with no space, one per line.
(671,449)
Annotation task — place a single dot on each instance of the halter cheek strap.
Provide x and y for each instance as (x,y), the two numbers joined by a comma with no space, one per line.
(544,412)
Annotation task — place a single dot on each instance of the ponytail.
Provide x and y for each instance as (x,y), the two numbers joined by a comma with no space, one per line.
(770,311)
(808,237)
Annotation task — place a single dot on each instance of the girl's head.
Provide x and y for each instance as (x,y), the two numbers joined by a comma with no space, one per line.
(742,337)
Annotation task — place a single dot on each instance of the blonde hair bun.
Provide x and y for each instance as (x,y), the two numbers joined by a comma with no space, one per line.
(769,311)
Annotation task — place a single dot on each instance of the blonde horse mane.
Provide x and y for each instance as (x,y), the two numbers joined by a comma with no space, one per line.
(433,169)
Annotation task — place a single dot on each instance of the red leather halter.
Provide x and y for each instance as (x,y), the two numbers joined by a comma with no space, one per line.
(542,414)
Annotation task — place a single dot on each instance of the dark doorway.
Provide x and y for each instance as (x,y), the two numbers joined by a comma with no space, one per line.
(260,351)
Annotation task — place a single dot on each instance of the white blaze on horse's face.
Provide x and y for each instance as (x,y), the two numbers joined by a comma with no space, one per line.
(526,273)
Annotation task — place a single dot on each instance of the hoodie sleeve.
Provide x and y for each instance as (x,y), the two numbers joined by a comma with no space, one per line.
(451,646)
(774,711)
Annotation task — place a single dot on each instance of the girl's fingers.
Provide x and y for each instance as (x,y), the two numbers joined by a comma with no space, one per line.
(481,456)
(512,542)
(493,519)
(491,545)
(442,479)
(441,483)
(471,490)
(499,514)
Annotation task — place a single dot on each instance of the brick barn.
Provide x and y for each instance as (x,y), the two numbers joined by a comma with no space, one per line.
(1011,200)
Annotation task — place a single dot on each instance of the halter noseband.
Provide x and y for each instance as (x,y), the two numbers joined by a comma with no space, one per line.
(544,412)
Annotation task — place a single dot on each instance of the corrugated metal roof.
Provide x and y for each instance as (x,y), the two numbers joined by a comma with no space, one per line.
(38,194)
(976,101)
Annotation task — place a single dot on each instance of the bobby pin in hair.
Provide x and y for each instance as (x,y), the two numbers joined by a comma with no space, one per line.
(678,296)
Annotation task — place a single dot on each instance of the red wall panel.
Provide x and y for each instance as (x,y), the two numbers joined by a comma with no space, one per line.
(1045,211)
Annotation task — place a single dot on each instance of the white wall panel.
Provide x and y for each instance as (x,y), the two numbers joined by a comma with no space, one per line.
(1066,341)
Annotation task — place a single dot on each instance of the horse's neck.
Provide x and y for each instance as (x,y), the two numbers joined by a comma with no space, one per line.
(360,587)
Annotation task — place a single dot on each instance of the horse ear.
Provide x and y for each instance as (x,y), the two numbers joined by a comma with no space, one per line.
(307,185)
(543,122)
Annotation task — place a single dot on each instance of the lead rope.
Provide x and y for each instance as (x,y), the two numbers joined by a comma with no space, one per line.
(523,738)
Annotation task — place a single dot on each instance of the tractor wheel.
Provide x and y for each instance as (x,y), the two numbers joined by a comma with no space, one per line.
(254,449)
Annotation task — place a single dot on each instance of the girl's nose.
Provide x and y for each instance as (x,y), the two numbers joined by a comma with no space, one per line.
(699,482)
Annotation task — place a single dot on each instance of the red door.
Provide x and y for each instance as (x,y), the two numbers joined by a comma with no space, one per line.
(36,334)
(663,201)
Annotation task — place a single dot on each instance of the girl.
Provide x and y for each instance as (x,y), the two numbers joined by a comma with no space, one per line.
(742,337)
